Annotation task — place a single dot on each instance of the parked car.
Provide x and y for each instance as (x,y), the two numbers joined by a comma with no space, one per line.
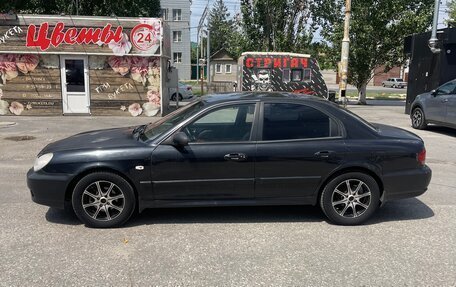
(437,106)
(234,149)
(185,92)
(394,83)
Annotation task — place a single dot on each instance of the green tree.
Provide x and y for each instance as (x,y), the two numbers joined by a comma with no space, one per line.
(377,30)
(121,8)
(220,25)
(277,25)
(451,13)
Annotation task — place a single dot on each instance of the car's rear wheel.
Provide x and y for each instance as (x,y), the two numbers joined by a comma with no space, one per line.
(103,200)
(174,96)
(418,119)
(394,86)
(383,85)
(350,198)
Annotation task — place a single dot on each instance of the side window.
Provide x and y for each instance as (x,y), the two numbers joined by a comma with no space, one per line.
(296,75)
(227,124)
(294,121)
(447,88)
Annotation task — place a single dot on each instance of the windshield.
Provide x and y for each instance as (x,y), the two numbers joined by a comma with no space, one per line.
(153,130)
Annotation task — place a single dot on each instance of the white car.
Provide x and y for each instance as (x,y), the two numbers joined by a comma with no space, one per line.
(394,83)
(185,92)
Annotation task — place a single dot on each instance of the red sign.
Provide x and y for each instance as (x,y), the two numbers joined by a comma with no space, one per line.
(143,37)
(39,36)
(279,62)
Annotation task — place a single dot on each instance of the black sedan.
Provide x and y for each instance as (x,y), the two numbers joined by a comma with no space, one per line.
(232,150)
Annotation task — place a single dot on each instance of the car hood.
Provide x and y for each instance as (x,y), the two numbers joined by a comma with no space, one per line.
(99,139)
(394,132)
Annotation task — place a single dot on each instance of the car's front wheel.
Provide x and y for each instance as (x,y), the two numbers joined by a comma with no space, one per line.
(103,200)
(418,119)
(350,198)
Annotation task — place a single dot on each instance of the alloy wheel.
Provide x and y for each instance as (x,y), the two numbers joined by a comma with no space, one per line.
(351,198)
(417,118)
(103,200)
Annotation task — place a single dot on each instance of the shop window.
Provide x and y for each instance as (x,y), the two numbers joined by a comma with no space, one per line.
(177,15)
(286,75)
(177,57)
(177,36)
(228,68)
(300,75)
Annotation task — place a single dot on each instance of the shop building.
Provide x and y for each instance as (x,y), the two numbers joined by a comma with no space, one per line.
(70,65)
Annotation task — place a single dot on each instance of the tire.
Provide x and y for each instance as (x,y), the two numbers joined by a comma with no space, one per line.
(350,207)
(103,200)
(418,119)
(393,86)
(383,85)
(173,97)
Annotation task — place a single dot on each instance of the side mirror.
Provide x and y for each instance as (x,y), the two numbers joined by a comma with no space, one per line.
(434,93)
(180,139)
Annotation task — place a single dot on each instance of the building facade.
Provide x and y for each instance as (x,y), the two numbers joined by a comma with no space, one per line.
(223,67)
(54,65)
(176,13)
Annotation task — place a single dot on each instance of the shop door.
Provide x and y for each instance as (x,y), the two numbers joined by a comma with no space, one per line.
(75,85)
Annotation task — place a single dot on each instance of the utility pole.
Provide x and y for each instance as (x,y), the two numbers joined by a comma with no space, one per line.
(197,54)
(345,53)
(208,61)
(433,41)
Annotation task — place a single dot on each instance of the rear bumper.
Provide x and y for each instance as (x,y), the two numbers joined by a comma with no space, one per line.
(405,184)
(48,189)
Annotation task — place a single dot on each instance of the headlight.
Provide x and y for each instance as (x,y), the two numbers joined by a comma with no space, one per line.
(42,161)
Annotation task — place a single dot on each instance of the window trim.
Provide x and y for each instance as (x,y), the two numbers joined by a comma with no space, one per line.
(218,65)
(180,58)
(165,15)
(259,136)
(180,15)
(226,65)
(179,33)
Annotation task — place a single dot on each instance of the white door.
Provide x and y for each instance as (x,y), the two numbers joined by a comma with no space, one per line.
(75,84)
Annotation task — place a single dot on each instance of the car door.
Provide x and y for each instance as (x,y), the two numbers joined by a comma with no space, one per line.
(218,162)
(450,112)
(299,145)
(436,105)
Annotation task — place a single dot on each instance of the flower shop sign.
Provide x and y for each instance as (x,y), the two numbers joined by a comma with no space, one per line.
(142,36)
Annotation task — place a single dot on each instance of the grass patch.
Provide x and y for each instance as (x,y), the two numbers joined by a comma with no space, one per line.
(372,95)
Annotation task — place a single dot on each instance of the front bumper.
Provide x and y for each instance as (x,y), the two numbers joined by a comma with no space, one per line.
(48,189)
(405,184)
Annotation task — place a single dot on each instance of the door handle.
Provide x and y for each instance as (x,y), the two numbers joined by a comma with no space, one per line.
(324,153)
(235,157)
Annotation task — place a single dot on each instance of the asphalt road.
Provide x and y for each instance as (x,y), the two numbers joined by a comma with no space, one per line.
(407,243)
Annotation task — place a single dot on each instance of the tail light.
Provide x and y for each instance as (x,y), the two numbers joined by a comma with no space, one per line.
(421,156)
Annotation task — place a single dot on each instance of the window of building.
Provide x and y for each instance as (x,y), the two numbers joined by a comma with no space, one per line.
(286,75)
(294,121)
(218,68)
(164,14)
(228,68)
(227,124)
(177,15)
(177,57)
(177,36)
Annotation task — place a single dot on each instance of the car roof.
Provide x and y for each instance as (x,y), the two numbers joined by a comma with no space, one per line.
(258,96)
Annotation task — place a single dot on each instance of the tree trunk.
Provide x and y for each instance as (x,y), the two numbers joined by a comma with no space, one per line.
(362,94)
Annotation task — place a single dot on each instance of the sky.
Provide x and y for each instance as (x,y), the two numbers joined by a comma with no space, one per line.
(198,6)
